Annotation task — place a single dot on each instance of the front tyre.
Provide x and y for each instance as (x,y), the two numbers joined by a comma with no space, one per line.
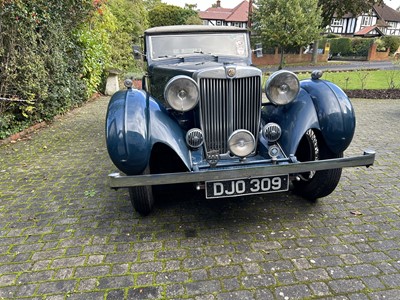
(142,198)
(316,184)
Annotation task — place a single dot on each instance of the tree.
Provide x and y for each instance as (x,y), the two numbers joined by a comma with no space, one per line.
(165,14)
(150,4)
(94,37)
(191,6)
(130,22)
(291,23)
(194,20)
(338,8)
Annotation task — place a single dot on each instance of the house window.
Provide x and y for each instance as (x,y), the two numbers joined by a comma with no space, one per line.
(205,22)
(219,23)
(337,22)
(392,24)
(237,24)
(366,21)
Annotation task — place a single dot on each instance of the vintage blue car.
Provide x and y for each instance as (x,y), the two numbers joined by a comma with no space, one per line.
(201,118)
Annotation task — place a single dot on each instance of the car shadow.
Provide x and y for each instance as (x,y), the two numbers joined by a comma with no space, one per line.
(192,206)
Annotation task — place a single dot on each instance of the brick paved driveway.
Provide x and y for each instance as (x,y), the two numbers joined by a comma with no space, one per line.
(64,234)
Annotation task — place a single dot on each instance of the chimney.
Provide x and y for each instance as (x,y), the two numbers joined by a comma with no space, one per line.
(218,3)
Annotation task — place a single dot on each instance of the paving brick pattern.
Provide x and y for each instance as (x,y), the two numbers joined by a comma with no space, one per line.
(65,235)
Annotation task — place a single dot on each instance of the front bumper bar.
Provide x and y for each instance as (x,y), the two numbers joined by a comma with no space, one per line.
(119,181)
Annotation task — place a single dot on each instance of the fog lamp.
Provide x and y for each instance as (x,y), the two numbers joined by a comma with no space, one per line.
(272,132)
(194,138)
(282,87)
(241,143)
(182,93)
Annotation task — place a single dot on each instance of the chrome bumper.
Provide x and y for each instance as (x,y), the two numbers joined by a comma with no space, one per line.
(119,181)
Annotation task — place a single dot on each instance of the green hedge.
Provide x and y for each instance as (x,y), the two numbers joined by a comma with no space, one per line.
(392,42)
(40,61)
(53,54)
(350,46)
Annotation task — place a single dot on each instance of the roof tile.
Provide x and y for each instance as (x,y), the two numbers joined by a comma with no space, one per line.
(239,13)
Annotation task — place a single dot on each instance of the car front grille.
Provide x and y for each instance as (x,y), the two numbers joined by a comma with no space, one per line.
(227,105)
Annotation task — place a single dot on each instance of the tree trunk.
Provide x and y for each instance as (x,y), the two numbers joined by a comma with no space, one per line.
(282,61)
(314,59)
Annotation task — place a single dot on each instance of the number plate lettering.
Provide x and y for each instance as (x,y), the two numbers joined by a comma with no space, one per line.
(246,186)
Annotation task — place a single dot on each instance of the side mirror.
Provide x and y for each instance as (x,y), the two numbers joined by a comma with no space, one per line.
(258,50)
(137,54)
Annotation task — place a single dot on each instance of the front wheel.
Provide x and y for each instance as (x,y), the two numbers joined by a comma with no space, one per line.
(316,184)
(142,198)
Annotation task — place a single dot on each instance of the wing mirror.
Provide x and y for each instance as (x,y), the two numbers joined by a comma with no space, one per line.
(258,50)
(137,53)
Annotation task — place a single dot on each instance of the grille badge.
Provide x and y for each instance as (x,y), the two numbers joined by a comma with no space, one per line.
(213,157)
(231,72)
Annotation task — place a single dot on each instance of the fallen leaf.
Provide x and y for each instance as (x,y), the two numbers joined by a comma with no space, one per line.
(356,213)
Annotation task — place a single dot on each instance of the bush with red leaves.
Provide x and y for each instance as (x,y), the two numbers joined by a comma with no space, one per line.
(374,94)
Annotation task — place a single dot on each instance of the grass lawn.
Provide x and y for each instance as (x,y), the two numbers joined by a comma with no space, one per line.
(355,80)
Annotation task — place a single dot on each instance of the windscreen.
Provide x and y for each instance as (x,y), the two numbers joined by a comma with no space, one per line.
(227,44)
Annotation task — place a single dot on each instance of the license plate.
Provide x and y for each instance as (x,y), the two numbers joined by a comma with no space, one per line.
(246,186)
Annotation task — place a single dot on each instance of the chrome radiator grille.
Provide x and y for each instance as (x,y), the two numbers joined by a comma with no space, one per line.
(227,105)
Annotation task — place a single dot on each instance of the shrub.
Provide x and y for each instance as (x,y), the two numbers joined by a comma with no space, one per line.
(380,45)
(53,54)
(94,39)
(360,47)
(40,61)
(165,14)
(341,45)
(350,46)
(392,42)
(130,22)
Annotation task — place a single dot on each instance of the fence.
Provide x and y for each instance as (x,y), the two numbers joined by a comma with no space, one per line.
(274,59)
(301,57)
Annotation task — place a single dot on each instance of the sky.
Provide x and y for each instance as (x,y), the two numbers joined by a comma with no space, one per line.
(204,4)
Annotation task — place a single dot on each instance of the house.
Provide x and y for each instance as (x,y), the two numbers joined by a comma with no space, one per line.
(219,16)
(380,20)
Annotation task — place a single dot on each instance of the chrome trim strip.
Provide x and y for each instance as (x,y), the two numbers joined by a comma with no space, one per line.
(118,181)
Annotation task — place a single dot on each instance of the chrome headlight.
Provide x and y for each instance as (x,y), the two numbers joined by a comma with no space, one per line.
(241,143)
(182,93)
(282,87)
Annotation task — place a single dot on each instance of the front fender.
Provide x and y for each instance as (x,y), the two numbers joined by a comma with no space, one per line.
(164,129)
(127,134)
(294,119)
(320,105)
(134,123)
(335,113)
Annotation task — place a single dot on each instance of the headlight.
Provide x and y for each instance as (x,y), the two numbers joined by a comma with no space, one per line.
(241,143)
(182,93)
(282,87)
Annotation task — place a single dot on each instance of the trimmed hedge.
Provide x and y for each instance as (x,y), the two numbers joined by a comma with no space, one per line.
(350,46)
(40,61)
(53,54)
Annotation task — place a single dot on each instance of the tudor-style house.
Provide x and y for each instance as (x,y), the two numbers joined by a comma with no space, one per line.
(380,20)
(219,16)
